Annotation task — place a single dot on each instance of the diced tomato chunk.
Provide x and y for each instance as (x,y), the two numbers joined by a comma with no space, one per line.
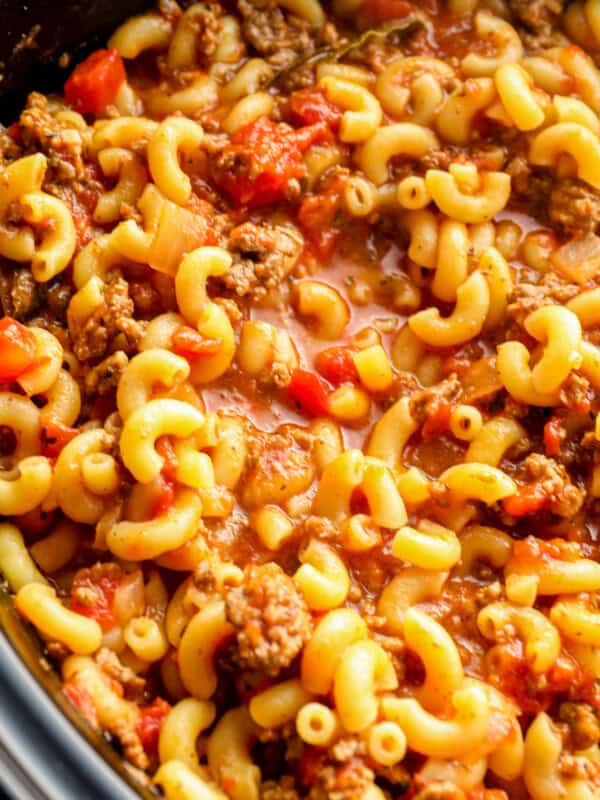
(164,448)
(189,343)
(164,498)
(438,418)
(554,435)
(150,723)
(385,9)
(102,592)
(17,349)
(309,106)
(54,437)
(318,214)
(94,83)
(82,700)
(336,365)
(532,552)
(268,156)
(529,500)
(309,392)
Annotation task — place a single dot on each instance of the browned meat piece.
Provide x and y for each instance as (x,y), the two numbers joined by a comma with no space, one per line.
(423,403)
(63,145)
(280,38)
(263,255)
(539,18)
(109,662)
(574,206)
(527,297)
(584,725)
(575,392)
(279,790)
(441,790)
(85,583)
(343,774)
(565,499)
(278,466)
(271,619)
(104,377)
(111,327)
(19,293)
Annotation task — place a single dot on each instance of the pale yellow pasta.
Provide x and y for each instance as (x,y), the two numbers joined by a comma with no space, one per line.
(483,543)
(429,545)
(466,422)
(63,399)
(309,10)
(572,138)
(74,498)
(440,657)
(25,487)
(16,564)
(40,605)
(175,137)
(360,196)
(586,306)
(248,79)
(404,138)
(478,482)
(278,704)
(132,133)
(363,671)
(410,586)
(391,433)
(412,193)
(407,349)
(493,266)
(349,404)
(514,85)
(229,756)
(132,177)
(542,642)
(181,728)
(272,526)
(202,93)
(494,439)
(323,577)
(52,255)
(317,724)
(481,206)
(374,368)
(454,737)
(454,121)
(571,109)
(207,629)
(184,41)
(179,782)
(144,32)
(512,362)
(452,263)
(386,743)
(138,540)
(145,425)
(561,577)
(247,110)
(464,323)
(23,176)
(363,115)
(56,550)
(509,47)
(467,774)
(542,774)
(335,632)
(324,305)
(99,473)
(576,621)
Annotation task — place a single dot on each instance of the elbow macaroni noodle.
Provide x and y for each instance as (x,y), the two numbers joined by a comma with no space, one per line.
(300,397)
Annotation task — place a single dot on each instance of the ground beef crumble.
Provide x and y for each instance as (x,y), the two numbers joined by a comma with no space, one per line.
(271,619)
(565,499)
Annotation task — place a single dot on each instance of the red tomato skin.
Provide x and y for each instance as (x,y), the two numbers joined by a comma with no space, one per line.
(554,433)
(272,154)
(54,437)
(102,610)
(94,83)
(309,392)
(310,106)
(165,497)
(385,9)
(189,343)
(150,723)
(438,420)
(336,365)
(17,349)
(529,500)
(82,700)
